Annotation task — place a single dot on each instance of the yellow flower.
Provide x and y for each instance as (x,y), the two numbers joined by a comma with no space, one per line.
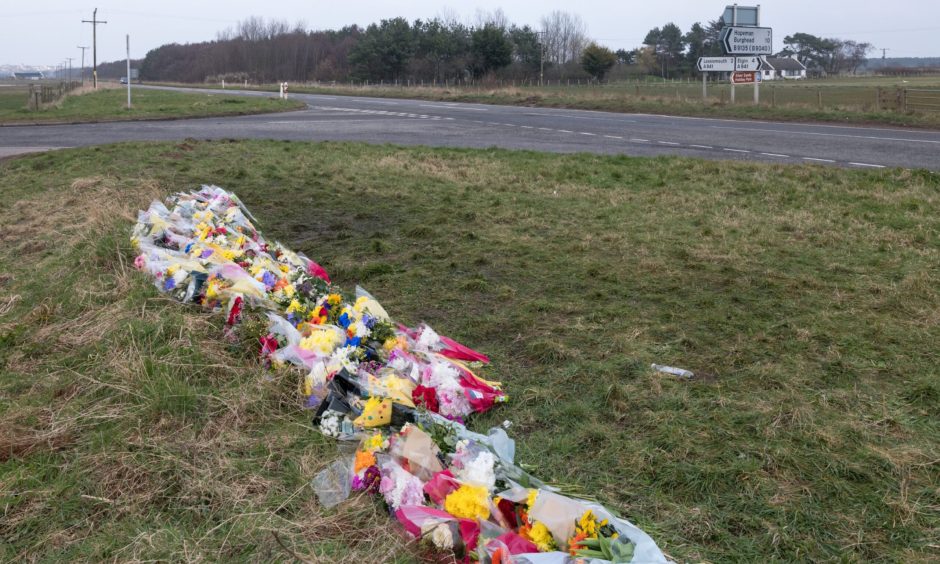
(542,537)
(289,290)
(334,299)
(323,341)
(294,306)
(587,524)
(374,443)
(468,502)
(171,270)
(530,499)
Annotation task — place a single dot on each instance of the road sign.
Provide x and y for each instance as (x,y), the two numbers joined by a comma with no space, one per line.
(748,40)
(747,64)
(716,64)
(745,77)
(742,15)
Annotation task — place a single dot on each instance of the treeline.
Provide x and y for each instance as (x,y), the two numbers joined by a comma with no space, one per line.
(392,50)
(446,50)
(826,56)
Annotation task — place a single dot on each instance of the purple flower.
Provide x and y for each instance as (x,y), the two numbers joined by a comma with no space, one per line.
(268,279)
(169,284)
(206,254)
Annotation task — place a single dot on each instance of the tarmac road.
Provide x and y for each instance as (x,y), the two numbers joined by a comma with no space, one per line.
(418,122)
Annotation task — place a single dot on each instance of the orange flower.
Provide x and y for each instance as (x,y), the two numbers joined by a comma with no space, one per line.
(573,545)
(364,459)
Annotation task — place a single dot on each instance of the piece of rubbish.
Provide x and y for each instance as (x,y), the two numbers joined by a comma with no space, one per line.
(681,372)
(332,485)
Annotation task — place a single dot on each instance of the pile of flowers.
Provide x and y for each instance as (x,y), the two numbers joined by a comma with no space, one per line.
(403,393)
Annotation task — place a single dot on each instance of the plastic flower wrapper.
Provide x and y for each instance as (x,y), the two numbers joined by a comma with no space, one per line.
(418,518)
(415,448)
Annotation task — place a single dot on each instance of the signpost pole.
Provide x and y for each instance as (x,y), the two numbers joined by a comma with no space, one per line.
(129,72)
(757,93)
(732,92)
(704,87)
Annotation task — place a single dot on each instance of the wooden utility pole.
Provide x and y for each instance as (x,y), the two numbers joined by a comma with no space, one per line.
(94,44)
(70,59)
(83,64)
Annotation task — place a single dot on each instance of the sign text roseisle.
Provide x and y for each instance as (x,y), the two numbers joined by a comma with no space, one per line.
(748,40)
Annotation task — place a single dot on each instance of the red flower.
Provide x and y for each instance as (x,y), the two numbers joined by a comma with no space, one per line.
(426,397)
(235,313)
(268,345)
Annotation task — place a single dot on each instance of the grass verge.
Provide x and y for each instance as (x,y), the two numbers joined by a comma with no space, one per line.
(660,101)
(110,104)
(131,431)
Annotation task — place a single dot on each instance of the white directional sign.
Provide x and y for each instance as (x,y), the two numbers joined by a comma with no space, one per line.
(748,40)
(716,64)
(747,63)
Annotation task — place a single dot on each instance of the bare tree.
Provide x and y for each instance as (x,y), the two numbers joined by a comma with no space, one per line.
(497,18)
(565,36)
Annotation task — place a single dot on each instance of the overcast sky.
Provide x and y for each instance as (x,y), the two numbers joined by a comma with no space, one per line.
(45,32)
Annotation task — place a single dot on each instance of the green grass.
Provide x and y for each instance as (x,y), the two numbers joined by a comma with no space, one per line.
(843,101)
(109,104)
(130,430)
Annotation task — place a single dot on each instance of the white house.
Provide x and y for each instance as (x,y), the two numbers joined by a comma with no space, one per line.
(782,68)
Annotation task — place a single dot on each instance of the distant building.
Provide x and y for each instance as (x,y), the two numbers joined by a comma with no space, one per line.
(28,76)
(782,68)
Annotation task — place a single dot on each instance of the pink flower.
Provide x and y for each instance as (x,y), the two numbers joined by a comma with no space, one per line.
(140,262)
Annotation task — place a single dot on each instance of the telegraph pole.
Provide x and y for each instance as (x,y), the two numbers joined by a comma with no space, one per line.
(70,59)
(83,64)
(94,44)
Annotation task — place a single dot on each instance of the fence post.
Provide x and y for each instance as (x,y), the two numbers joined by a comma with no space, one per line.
(773,95)
(819,97)
(904,100)
(878,99)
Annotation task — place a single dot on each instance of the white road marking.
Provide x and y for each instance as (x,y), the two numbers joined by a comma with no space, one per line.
(818,160)
(867,165)
(845,135)
(547,129)
(564,131)
(638,140)
(509,124)
(702,146)
(526,127)
(449,107)
(586,133)
(613,137)
(667,143)
(736,150)
(776,155)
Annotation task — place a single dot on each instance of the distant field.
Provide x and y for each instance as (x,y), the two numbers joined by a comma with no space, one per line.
(130,430)
(12,97)
(853,100)
(108,104)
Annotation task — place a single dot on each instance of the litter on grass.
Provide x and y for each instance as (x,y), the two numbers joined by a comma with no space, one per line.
(403,394)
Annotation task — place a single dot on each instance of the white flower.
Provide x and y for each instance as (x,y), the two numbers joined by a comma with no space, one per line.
(442,537)
(479,471)
(428,340)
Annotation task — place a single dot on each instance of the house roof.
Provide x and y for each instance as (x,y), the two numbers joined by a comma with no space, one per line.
(784,63)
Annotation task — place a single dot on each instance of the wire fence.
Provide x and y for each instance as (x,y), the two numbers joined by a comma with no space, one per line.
(44,94)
